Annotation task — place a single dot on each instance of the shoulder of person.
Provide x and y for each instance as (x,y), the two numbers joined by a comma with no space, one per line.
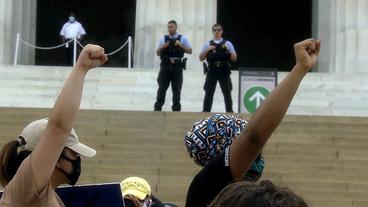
(228,42)
(184,38)
(206,45)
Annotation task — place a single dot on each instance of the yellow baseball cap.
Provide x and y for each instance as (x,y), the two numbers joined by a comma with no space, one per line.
(33,132)
(135,186)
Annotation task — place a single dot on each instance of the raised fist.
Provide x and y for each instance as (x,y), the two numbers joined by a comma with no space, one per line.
(91,56)
(306,53)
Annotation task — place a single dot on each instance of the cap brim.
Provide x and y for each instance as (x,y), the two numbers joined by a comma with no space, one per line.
(83,150)
(136,193)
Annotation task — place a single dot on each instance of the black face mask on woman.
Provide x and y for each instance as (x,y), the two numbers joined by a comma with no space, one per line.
(74,176)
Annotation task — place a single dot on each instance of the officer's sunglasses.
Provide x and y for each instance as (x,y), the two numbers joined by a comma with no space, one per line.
(217,30)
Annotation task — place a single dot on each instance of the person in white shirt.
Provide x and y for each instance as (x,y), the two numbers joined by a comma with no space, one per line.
(70,30)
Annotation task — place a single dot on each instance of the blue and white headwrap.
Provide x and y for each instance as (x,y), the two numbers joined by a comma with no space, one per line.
(211,136)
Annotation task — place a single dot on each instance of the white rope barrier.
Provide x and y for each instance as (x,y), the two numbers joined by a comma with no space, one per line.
(80,44)
(130,50)
(117,50)
(75,44)
(111,53)
(20,40)
(45,48)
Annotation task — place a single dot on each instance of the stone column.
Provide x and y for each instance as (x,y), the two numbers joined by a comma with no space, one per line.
(194,18)
(17,16)
(6,8)
(342,25)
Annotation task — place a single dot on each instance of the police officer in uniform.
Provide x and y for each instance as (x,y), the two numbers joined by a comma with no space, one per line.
(171,50)
(219,54)
(70,30)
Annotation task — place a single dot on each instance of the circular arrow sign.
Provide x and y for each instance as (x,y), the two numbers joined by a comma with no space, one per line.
(254,97)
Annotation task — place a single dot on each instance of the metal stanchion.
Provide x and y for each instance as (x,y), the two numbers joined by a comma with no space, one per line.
(16,50)
(74,51)
(129,52)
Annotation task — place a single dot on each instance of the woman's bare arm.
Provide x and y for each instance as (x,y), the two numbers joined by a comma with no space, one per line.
(50,146)
(250,143)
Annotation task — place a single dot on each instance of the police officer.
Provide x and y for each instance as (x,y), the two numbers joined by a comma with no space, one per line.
(219,54)
(70,30)
(171,50)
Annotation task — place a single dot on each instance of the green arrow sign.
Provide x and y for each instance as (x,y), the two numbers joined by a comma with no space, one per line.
(254,97)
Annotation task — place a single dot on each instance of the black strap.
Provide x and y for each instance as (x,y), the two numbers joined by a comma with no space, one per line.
(212,42)
(167,37)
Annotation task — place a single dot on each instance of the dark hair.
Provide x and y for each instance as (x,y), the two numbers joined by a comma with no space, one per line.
(10,160)
(173,22)
(128,203)
(262,194)
(217,25)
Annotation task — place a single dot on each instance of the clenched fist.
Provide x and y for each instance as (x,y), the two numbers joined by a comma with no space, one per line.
(91,56)
(306,53)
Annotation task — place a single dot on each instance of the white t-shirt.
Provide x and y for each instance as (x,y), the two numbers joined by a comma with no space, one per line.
(72,30)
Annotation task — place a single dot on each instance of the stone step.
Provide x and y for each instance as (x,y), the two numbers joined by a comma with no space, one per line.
(324,159)
(123,89)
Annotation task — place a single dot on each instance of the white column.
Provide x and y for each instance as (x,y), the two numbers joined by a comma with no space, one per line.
(17,16)
(6,15)
(194,18)
(28,20)
(2,29)
(342,25)
(321,26)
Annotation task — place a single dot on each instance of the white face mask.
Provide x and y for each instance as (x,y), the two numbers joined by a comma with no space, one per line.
(71,19)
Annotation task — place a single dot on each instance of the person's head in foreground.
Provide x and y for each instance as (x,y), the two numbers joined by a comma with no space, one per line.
(214,135)
(136,192)
(261,194)
(68,166)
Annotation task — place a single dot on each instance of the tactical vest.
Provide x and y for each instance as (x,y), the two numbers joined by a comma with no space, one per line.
(220,54)
(172,51)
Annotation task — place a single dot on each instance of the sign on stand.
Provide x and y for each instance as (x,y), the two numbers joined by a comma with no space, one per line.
(254,86)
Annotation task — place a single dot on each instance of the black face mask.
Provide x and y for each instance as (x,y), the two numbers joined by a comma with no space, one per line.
(74,176)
